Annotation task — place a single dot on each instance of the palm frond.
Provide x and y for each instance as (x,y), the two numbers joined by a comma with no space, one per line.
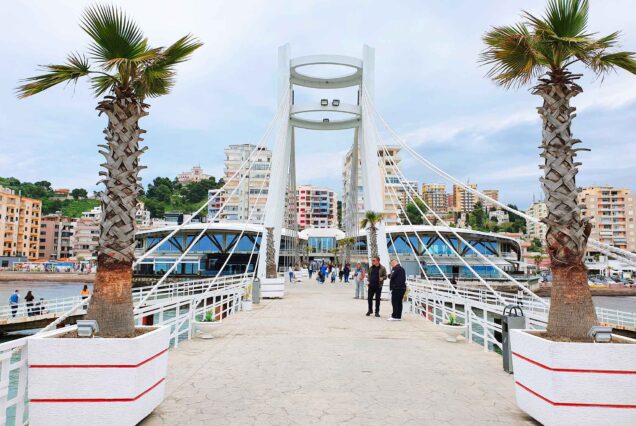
(157,78)
(513,54)
(602,63)
(114,34)
(103,83)
(76,66)
(566,18)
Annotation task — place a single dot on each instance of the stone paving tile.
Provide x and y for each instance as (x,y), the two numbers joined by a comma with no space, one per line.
(314,358)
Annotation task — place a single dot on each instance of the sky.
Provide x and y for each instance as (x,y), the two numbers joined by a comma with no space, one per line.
(429,87)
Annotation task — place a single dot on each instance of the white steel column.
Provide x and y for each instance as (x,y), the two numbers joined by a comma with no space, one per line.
(275,207)
(371,177)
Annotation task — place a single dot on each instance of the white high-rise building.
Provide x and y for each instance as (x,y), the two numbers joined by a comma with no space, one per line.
(393,193)
(537,230)
(246,197)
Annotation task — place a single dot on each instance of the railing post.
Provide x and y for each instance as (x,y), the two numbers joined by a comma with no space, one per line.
(468,310)
(485,328)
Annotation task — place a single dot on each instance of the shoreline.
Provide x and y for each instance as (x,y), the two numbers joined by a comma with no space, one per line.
(57,277)
(612,292)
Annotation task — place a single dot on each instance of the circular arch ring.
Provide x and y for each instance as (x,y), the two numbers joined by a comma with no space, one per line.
(305,80)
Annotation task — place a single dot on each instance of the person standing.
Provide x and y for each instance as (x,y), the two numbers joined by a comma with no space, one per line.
(28,299)
(14,302)
(397,285)
(310,269)
(358,280)
(376,277)
(345,272)
(291,274)
(85,292)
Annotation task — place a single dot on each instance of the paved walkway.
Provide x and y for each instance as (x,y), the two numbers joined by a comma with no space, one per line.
(315,358)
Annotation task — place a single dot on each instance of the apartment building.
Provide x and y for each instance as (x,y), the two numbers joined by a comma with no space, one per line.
(435,196)
(317,207)
(194,175)
(217,197)
(393,193)
(492,193)
(19,224)
(85,239)
(464,201)
(611,212)
(56,237)
(537,230)
(246,197)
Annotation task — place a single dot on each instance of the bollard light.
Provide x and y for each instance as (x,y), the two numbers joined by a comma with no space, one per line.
(324,102)
(335,102)
(87,328)
(600,334)
(325,120)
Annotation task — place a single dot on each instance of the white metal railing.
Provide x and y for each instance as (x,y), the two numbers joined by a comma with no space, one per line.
(616,318)
(174,304)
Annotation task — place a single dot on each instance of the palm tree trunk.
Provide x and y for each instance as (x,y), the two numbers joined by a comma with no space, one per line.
(111,303)
(374,241)
(572,310)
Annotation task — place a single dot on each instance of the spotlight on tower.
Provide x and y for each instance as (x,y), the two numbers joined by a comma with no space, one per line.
(324,102)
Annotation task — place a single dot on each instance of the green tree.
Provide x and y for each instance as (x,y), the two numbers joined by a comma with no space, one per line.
(78,193)
(371,219)
(125,71)
(544,50)
(412,212)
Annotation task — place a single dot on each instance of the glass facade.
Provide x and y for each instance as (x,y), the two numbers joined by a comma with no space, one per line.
(321,244)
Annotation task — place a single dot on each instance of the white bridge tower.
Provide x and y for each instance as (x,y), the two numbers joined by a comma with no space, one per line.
(291,116)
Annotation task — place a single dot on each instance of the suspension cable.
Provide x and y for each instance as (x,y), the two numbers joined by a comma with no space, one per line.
(618,253)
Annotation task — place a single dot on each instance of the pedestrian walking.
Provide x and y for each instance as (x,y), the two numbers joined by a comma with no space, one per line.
(310,269)
(345,272)
(28,299)
(358,280)
(340,274)
(14,302)
(376,277)
(397,285)
(291,274)
(323,273)
(333,276)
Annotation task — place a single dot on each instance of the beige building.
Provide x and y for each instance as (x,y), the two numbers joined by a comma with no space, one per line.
(611,212)
(317,207)
(435,196)
(394,194)
(19,224)
(246,198)
(492,193)
(194,175)
(537,230)
(56,237)
(464,200)
(86,238)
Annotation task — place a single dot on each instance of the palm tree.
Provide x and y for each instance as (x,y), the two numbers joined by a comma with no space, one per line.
(127,71)
(545,48)
(347,243)
(371,219)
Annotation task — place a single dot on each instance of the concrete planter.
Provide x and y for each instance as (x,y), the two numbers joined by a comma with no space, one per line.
(273,288)
(246,305)
(561,383)
(96,381)
(453,331)
(204,329)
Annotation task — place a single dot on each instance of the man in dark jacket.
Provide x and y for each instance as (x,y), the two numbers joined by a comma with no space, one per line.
(397,285)
(376,277)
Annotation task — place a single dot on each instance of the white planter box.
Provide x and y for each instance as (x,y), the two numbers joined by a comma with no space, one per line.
(453,331)
(246,305)
(204,329)
(561,383)
(406,308)
(273,288)
(96,381)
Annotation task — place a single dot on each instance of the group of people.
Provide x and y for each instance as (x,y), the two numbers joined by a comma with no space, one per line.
(374,280)
(329,271)
(34,308)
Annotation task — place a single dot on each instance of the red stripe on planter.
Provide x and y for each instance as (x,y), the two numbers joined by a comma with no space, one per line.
(99,365)
(572,370)
(101,399)
(573,404)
